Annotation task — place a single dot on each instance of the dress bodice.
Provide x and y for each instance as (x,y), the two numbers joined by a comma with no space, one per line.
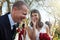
(42,30)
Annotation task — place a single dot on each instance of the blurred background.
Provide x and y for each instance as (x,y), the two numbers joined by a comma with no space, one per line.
(49,10)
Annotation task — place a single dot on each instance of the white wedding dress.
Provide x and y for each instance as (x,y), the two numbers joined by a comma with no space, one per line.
(43,30)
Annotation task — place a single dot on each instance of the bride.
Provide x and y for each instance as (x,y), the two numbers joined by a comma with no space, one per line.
(36,26)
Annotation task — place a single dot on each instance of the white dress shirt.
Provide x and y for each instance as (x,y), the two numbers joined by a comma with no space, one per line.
(11,21)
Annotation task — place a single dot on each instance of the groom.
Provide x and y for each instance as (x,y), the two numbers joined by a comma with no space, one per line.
(19,12)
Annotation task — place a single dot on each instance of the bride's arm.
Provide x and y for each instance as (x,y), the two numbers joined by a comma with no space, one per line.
(31,33)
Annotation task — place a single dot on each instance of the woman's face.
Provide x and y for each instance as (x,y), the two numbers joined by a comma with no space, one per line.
(35,17)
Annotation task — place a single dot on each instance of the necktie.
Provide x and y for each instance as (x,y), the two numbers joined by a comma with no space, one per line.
(14,31)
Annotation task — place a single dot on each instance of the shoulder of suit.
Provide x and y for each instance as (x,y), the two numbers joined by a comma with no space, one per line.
(3,17)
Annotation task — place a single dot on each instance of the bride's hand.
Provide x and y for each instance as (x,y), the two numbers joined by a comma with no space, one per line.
(34,23)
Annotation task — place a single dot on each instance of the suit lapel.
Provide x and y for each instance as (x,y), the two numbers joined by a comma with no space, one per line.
(8,26)
(7,22)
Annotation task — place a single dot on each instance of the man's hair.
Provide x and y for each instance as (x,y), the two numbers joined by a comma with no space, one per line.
(19,4)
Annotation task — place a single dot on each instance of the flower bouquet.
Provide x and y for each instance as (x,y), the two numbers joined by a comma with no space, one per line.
(44,36)
(21,29)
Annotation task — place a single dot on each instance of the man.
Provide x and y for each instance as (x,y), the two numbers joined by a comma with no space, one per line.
(19,12)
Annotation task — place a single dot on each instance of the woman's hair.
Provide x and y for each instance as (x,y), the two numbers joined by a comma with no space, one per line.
(40,24)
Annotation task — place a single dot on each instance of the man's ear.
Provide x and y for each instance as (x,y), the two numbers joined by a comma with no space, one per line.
(15,8)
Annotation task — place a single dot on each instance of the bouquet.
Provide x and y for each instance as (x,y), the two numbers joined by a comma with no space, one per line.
(21,29)
(44,36)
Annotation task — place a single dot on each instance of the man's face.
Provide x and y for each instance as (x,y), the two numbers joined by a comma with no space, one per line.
(20,14)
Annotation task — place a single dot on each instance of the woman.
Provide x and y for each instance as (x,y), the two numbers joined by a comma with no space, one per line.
(37,26)
(50,29)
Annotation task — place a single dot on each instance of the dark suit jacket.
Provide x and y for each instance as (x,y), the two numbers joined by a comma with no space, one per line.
(5,28)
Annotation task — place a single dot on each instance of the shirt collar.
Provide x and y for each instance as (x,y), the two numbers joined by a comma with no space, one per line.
(11,20)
